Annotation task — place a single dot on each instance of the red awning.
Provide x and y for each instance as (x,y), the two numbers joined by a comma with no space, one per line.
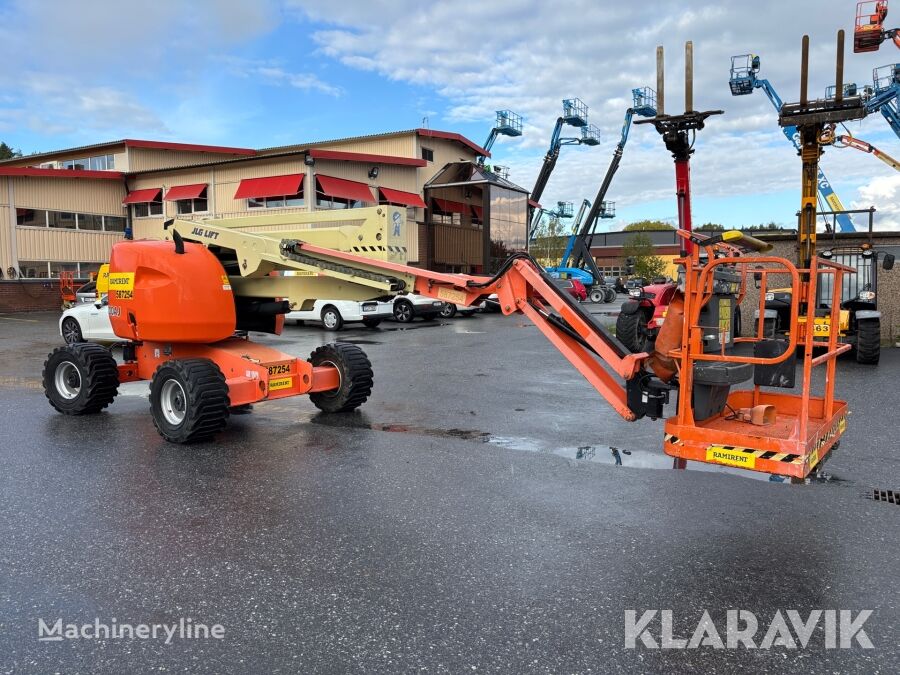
(447,206)
(533,204)
(141,196)
(344,189)
(479,212)
(178,192)
(270,186)
(400,197)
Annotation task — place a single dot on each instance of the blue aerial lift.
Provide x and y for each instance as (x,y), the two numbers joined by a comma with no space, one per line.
(743,81)
(507,123)
(575,114)
(577,260)
(886,95)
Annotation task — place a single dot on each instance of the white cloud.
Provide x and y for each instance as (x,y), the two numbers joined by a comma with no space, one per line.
(274,73)
(90,68)
(527,56)
(885,192)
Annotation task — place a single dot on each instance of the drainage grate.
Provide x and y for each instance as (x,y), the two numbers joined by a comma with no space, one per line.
(889,496)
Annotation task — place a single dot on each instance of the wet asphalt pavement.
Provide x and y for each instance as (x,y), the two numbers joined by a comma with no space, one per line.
(468,519)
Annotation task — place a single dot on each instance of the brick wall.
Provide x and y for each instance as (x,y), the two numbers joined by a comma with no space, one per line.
(30,295)
(888,281)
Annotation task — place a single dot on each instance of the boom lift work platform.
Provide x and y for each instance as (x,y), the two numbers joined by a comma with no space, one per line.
(869,32)
(185,305)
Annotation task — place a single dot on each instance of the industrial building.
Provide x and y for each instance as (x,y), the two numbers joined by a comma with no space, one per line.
(62,211)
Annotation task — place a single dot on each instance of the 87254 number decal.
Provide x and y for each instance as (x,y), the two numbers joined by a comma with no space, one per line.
(283,368)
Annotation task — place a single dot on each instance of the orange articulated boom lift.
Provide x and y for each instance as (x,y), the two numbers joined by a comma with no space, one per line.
(185,306)
(869,32)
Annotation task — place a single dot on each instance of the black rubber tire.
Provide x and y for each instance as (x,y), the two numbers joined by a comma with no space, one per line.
(371,323)
(448,310)
(206,403)
(631,331)
(868,341)
(95,371)
(404,312)
(71,331)
(356,377)
(337,322)
(596,295)
(467,312)
(610,295)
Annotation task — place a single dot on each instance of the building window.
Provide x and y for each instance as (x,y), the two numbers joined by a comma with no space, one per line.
(428,154)
(280,202)
(198,205)
(58,267)
(69,221)
(113,223)
(90,222)
(61,219)
(446,218)
(31,217)
(86,269)
(100,163)
(34,269)
(326,202)
(103,163)
(148,209)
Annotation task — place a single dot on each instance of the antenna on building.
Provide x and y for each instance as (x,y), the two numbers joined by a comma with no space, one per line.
(425,122)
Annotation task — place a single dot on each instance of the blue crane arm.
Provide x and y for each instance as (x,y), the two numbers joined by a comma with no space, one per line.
(767,87)
(826,192)
(549,162)
(892,115)
(489,143)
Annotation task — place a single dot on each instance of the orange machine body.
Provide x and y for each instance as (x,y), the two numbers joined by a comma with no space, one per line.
(158,294)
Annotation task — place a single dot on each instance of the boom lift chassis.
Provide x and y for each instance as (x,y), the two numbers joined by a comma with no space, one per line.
(185,306)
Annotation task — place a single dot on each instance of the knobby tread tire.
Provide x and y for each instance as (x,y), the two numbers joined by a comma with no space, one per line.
(99,378)
(207,404)
(356,377)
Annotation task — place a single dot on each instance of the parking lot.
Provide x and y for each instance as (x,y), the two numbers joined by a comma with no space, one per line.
(469,517)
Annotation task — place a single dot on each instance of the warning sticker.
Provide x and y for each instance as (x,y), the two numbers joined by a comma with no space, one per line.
(121,281)
(725,319)
(722,454)
(281,383)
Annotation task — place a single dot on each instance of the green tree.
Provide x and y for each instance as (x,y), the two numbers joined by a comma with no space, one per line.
(771,225)
(647,226)
(646,263)
(711,227)
(550,241)
(6,152)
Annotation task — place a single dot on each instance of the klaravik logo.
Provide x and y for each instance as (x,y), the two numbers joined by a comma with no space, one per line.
(742,628)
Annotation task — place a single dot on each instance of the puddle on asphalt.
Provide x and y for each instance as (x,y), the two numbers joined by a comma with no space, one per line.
(602,454)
